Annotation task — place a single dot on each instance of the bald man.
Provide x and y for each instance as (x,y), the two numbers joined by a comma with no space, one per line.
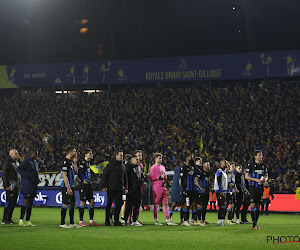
(11,184)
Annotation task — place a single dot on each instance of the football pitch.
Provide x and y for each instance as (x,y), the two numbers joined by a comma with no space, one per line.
(48,235)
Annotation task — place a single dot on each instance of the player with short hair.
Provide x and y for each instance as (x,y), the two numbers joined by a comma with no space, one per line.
(256,174)
(139,154)
(241,186)
(68,171)
(203,186)
(176,194)
(114,181)
(189,192)
(230,195)
(221,186)
(127,159)
(135,176)
(85,187)
(158,177)
(28,170)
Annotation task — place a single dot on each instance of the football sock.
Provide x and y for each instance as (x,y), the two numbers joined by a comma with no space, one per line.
(23,210)
(181,214)
(155,211)
(71,214)
(166,212)
(257,214)
(91,212)
(253,216)
(194,215)
(28,212)
(230,214)
(63,214)
(185,212)
(199,212)
(203,213)
(81,212)
(223,212)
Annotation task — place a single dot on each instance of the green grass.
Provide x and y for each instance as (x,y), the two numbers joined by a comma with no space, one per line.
(48,235)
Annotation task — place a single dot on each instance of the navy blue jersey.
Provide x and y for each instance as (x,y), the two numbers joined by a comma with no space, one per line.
(84,171)
(203,181)
(187,178)
(67,166)
(256,170)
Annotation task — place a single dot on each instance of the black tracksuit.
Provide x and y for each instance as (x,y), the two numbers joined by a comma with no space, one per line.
(11,179)
(135,177)
(114,178)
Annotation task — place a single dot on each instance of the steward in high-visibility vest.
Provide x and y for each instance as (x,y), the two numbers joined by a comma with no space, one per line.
(212,196)
(212,199)
(266,198)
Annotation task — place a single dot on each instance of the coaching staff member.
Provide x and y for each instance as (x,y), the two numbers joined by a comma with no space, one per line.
(28,170)
(114,179)
(11,184)
(135,176)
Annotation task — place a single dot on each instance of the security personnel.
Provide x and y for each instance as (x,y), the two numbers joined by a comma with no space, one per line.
(212,199)
(268,191)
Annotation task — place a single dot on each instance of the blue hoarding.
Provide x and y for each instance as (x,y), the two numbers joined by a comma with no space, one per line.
(187,68)
(54,198)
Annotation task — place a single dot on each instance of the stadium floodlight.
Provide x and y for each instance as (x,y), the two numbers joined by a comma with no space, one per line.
(90,91)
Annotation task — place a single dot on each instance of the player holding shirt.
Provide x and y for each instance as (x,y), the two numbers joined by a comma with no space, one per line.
(158,177)
(255,174)
(85,187)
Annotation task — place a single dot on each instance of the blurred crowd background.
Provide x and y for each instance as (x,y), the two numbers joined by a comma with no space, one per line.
(213,121)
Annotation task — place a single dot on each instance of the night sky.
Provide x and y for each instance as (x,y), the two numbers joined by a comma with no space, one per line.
(40,31)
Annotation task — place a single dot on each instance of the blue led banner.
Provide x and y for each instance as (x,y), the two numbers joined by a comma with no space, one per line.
(226,66)
(54,198)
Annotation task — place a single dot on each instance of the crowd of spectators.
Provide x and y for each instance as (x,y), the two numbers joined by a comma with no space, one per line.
(215,122)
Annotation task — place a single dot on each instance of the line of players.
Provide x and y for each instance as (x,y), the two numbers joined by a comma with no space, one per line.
(191,186)
(233,189)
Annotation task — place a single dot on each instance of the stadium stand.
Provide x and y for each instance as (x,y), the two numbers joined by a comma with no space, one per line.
(215,121)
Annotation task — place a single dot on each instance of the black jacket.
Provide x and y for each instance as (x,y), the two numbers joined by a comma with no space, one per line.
(28,170)
(9,173)
(114,176)
(135,175)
